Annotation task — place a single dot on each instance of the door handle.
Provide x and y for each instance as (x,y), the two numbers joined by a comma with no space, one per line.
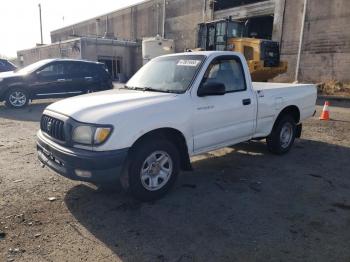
(246,102)
(88,78)
(61,80)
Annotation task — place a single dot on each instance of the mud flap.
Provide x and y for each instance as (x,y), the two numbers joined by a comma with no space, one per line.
(298,130)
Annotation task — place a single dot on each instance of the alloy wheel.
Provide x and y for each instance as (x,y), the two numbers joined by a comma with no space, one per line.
(17,99)
(156,170)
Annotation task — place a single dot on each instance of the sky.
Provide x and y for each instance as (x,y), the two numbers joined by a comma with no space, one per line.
(19,19)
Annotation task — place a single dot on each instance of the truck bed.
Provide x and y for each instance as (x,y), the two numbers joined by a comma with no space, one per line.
(266,85)
(273,97)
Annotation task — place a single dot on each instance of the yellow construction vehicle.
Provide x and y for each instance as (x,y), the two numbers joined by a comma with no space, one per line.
(263,56)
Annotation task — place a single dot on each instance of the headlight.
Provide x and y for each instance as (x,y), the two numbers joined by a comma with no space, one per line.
(90,135)
(83,135)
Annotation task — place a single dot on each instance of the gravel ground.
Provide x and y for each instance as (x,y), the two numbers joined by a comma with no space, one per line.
(239,204)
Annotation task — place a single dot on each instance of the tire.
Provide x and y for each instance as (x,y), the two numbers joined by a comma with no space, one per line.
(149,178)
(17,98)
(282,136)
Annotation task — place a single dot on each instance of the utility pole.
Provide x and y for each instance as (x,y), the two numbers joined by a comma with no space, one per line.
(41,25)
(163,25)
(297,69)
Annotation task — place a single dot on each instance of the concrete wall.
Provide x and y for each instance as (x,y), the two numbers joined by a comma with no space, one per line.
(326,46)
(129,23)
(71,49)
(182,18)
(129,53)
(143,20)
(130,56)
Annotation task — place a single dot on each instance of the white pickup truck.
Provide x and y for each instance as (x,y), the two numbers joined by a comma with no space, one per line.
(174,107)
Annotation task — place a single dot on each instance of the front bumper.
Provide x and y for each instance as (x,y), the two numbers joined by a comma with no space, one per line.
(79,164)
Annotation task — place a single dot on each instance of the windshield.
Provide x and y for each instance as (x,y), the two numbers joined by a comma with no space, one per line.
(167,74)
(235,29)
(32,67)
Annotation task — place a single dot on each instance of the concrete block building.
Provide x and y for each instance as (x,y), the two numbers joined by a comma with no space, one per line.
(325,49)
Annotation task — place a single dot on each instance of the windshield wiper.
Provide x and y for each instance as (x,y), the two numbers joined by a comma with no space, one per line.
(128,87)
(135,88)
(150,89)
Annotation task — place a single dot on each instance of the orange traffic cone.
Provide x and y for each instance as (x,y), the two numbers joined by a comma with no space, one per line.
(325,112)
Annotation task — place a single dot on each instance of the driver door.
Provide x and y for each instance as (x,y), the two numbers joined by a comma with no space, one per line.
(222,120)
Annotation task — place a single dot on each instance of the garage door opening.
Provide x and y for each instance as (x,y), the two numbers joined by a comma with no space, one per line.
(225,4)
(260,27)
(113,66)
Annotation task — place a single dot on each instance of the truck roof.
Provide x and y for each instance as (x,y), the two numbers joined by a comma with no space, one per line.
(207,53)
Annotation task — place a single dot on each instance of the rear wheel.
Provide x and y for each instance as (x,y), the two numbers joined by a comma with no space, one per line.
(153,169)
(17,98)
(282,136)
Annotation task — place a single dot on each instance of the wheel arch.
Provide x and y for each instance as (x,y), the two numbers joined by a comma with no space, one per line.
(173,135)
(19,86)
(273,139)
(292,110)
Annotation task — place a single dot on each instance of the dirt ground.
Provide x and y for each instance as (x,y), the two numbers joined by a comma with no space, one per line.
(239,204)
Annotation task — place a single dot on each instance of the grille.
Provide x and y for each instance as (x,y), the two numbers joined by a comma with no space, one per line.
(53,127)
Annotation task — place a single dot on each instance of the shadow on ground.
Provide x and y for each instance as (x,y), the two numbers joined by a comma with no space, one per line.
(30,113)
(231,209)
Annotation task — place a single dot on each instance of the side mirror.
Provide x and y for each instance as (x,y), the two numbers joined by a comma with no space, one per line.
(211,89)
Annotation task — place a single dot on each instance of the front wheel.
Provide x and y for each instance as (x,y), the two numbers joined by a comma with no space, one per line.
(153,169)
(282,136)
(17,98)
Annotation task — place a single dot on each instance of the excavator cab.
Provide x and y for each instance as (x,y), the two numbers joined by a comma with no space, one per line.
(263,56)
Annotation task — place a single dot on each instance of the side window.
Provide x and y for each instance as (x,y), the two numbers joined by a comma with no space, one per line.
(77,69)
(86,69)
(228,71)
(51,70)
(69,69)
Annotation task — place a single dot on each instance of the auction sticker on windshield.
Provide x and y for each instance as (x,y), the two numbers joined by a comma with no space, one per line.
(183,62)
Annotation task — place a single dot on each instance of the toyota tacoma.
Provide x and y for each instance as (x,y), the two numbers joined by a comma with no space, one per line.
(176,106)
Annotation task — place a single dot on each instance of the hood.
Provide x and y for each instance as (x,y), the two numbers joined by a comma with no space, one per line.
(9,74)
(96,107)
